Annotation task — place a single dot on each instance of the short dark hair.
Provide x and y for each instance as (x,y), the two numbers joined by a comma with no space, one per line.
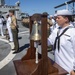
(70,18)
(12,11)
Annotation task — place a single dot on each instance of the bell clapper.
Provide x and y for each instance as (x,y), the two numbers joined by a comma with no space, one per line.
(36,61)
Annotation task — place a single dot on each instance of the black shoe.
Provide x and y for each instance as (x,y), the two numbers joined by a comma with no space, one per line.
(15,52)
(13,49)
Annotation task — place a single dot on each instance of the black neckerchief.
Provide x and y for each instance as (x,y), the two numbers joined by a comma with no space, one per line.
(58,37)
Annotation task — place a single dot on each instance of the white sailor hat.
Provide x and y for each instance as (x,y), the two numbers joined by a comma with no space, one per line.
(63,12)
(51,15)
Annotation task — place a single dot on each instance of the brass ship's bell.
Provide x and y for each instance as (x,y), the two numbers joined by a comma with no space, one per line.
(36,32)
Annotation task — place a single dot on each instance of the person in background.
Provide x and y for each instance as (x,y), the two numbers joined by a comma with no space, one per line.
(1,25)
(8,22)
(56,24)
(49,24)
(53,23)
(63,41)
(4,21)
(14,28)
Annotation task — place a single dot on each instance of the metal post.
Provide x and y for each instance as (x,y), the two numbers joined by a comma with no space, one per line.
(66,5)
(73,7)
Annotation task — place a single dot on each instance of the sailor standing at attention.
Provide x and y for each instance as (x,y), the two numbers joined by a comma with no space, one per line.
(8,23)
(14,29)
(63,41)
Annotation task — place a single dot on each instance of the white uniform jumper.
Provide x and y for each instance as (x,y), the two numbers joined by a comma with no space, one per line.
(65,56)
(9,28)
(1,26)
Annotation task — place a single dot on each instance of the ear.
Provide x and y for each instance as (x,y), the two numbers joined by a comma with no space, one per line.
(66,18)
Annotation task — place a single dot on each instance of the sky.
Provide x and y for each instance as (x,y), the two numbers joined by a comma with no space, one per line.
(38,6)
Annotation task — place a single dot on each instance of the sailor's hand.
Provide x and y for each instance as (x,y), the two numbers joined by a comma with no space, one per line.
(72,73)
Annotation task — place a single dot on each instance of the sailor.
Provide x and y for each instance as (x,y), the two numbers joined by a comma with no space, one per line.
(63,41)
(14,29)
(9,27)
(53,23)
(56,25)
(1,25)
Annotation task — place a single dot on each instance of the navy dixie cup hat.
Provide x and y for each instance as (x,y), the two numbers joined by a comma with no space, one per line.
(63,12)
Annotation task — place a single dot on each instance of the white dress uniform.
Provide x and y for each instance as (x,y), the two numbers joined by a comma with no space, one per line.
(9,28)
(53,26)
(1,26)
(65,57)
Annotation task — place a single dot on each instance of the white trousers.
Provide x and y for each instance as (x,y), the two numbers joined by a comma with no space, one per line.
(10,33)
(1,29)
